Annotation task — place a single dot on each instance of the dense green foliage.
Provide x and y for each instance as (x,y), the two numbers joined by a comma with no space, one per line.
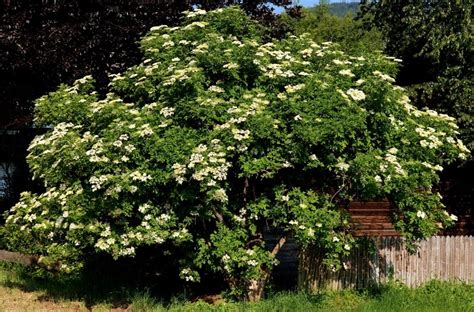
(435,39)
(322,26)
(217,136)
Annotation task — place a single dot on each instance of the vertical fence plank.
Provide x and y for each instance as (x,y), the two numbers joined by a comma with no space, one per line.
(426,260)
(393,260)
(438,259)
(462,258)
(403,268)
(455,258)
(416,268)
(353,269)
(470,259)
(447,252)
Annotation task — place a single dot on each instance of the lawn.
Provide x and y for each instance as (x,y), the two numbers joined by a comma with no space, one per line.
(20,291)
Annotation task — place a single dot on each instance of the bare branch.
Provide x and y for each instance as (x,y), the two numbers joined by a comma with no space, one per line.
(339,190)
(219,216)
(278,246)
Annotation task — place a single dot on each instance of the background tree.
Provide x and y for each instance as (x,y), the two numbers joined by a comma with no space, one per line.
(435,39)
(323,25)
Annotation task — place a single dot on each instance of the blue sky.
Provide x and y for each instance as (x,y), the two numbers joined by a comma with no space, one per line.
(310,3)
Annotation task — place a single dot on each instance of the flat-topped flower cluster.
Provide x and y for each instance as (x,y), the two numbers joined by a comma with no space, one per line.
(218,135)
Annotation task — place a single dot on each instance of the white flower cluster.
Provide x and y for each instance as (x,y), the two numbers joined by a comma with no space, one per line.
(432,138)
(96,153)
(138,176)
(451,217)
(437,115)
(195,24)
(275,70)
(200,48)
(392,159)
(240,135)
(295,88)
(216,89)
(430,166)
(144,208)
(197,12)
(231,66)
(179,171)
(383,76)
(158,28)
(181,74)
(220,195)
(167,111)
(209,165)
(97,182)
(212,101)
(187,275)
(83,80)
(421,214)
(145,130)
(342,166)
(49,140)
(346,72)
(356,95)
(339,62)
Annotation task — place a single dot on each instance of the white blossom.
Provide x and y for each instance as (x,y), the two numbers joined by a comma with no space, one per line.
(342,166)
(220,195)
(356,95)
(216,89)
(167,111)
(421,214)
(231,66)
(383,76)
(346,72)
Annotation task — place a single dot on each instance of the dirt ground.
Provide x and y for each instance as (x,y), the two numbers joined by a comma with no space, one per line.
(16,300)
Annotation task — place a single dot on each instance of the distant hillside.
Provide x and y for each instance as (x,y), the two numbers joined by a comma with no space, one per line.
(342,9)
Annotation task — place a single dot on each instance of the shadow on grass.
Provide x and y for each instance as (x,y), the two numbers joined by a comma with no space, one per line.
(103,281)
(115,283)
(88,289)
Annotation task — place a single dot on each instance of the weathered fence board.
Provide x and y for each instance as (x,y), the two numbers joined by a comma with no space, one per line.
(440,257)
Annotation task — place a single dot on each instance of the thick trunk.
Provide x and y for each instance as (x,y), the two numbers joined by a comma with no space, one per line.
(255,289)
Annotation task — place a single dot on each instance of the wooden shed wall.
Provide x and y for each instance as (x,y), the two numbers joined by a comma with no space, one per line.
(372,218)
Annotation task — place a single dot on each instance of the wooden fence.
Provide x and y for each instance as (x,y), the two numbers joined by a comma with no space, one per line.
(440,257)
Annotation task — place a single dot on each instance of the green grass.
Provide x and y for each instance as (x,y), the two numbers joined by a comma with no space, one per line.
(24,292)
(435,296)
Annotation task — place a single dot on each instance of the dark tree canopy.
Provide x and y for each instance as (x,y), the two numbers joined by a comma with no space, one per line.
(435,39)
(45,43)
